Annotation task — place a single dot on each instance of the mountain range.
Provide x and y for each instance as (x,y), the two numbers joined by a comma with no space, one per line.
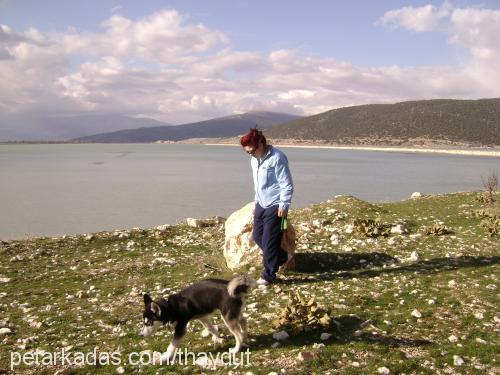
(222,127)
(64,128)
(424,122)
(443,121)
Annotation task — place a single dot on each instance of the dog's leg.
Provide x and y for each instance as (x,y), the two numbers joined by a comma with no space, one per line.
(244,329)
(180,331)
(210,328)
(233,326)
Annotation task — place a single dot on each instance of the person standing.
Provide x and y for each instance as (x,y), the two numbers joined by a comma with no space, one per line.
(273,195)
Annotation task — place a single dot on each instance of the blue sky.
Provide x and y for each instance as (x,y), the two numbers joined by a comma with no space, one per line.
(335,53)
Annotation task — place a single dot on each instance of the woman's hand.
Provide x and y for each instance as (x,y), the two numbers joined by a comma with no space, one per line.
(282,212)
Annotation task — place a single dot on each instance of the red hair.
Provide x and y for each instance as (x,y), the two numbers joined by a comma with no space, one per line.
(252,138)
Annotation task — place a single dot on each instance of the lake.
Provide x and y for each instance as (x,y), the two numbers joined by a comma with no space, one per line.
(51,190)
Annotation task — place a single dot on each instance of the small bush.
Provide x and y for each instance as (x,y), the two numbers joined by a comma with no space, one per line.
(372,228)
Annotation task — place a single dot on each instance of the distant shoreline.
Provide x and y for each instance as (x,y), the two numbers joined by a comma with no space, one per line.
(471,152)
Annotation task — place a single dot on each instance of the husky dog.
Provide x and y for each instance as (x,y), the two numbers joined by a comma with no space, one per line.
(198,301)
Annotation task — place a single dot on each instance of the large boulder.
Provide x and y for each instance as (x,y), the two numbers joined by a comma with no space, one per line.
(239,248)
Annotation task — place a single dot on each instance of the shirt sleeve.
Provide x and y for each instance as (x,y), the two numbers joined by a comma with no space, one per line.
(285,182)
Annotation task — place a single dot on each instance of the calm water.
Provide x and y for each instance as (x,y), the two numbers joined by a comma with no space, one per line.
(58,189)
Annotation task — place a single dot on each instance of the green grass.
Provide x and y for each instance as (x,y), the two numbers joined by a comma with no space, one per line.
(81,293)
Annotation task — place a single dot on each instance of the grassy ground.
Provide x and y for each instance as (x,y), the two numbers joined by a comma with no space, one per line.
(406,303)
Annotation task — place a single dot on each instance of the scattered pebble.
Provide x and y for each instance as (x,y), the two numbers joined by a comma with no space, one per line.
(458,361)
(283,335)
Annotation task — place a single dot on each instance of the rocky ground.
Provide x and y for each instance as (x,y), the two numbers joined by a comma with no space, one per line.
(408,287)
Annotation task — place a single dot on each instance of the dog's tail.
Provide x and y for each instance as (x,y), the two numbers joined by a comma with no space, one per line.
(240,285)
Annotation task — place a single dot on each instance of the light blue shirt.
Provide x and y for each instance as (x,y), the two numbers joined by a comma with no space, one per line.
(272,179)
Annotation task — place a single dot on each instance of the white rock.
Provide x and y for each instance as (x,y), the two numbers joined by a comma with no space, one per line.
(413,256)
(325,336)
(355,364)
(480,341)
(280,336)
(453,338)
(349,228)
(398,229)
(5,331)
(479,315)
(416,194)
(4,280)
(416,314)
(335,239)
(163,227)
(431,301)
(195,223)
(458,361)
(239,248)
(383,370)
(120,370)
(394,241)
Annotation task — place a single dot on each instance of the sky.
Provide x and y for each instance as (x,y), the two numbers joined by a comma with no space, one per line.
(185,61)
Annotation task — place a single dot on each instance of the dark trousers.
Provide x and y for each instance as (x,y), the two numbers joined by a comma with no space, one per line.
(267,234)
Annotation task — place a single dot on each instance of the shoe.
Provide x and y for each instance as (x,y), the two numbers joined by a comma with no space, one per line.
(262,282)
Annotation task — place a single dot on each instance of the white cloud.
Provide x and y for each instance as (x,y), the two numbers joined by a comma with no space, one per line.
(165,67)
(420,19)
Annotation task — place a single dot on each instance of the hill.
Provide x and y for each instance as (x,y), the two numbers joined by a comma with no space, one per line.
(410,302)
(470,122)
(216,128)
(63,128)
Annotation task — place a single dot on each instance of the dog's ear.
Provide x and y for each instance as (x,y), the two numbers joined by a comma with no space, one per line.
(147,299)
(155,308)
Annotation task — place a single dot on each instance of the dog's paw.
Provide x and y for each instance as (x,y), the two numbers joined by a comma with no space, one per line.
(165,358)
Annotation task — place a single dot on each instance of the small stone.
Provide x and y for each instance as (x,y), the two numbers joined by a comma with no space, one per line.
(280,335)
(120,370)
(416,194)
(458,361)
(431,302)
(479,315)
(325,336)
(413,256)
(452,283)
(383,370)
(398,229)
(355,364)
(5,331)
(205,333)
(453,338)
(481,341)
(4,280)
(416,314)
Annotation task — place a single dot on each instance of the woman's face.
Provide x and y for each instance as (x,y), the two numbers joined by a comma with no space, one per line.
(256,152)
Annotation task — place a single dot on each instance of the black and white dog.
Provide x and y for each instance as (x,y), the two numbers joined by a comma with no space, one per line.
(198,301)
